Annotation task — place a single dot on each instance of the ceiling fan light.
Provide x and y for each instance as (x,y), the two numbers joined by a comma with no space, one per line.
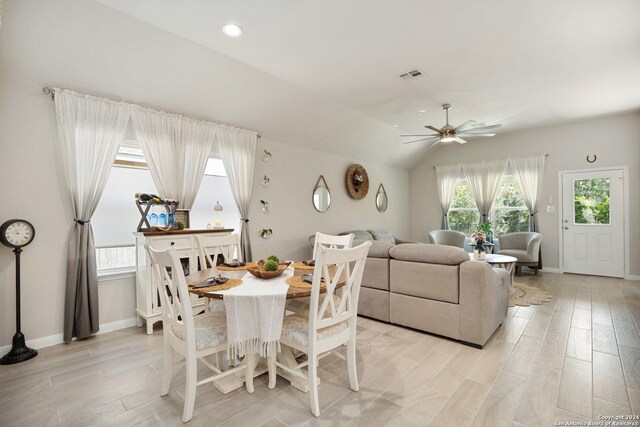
(448,139)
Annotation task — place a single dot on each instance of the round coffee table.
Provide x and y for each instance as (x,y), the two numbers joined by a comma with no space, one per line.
(500,261)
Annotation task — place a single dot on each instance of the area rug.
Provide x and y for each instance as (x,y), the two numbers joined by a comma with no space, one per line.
(524,296)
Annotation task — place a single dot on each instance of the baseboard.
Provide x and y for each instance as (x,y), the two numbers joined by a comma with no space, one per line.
(59,338)
(632,277)
(551,270)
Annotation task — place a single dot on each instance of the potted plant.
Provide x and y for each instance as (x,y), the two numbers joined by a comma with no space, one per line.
(488,232)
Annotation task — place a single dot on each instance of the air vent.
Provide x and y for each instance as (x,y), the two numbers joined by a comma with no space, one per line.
(411,74)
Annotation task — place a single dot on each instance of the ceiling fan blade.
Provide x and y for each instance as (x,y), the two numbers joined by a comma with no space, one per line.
(434,129)
(465,125)
(437,139)
(481,128)
(473,135)
(433,134)
(459,140)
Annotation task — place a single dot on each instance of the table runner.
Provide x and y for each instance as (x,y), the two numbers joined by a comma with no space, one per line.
(255,311)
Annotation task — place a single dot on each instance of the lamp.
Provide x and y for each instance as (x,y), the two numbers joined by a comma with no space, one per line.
(217,210)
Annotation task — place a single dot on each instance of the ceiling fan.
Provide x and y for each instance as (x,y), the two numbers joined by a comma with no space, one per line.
(448,133)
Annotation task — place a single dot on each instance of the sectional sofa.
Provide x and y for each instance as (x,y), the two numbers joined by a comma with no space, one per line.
(432,288)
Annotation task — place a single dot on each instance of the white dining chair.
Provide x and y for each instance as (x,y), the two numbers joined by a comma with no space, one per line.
(192,338)
(208,246)
(300,305)
(328,325)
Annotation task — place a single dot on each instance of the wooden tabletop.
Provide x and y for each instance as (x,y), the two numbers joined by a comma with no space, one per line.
(202,275)
(186,231)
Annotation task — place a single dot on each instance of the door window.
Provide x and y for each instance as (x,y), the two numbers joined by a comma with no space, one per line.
(591,200)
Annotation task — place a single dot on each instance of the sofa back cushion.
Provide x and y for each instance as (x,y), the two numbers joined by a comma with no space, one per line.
(433,281)
(378,249)
(383,235)
(431,254)
(363,235)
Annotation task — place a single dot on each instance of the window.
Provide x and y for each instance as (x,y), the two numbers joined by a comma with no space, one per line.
(591,199)
(463,214)
(509,213)
(116,217)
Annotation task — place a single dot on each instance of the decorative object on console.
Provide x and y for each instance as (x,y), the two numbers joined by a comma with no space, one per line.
(321,197)
(266,156)
(217,210)
(16,234)
(479,250)
(265,181)
(382,201)
(182,217)
(265,233)
(357,182)
(265,206)
(145,202)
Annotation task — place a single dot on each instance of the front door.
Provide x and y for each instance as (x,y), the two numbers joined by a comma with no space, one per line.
(593,222)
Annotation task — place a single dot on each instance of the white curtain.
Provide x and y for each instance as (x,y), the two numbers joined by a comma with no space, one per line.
(238,151)
(446,177)
(529,172)
(90,130)
(484,179)
(176,149)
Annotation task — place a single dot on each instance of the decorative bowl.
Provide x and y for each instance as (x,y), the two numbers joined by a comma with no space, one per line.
(261,273)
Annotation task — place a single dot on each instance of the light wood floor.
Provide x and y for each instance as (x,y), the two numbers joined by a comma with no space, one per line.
(571,359)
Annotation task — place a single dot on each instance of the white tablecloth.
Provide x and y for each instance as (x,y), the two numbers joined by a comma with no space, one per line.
(255,311)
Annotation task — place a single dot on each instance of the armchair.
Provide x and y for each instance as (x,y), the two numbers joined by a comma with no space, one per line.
(447,237)
(523,246)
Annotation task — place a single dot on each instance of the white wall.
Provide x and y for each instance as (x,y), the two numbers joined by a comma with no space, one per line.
(615,140)
(293,172)
(65,43)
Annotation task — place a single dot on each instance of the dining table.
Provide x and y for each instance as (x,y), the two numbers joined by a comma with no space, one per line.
(286,355)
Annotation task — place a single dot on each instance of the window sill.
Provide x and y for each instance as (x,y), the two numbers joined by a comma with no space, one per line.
(116,274)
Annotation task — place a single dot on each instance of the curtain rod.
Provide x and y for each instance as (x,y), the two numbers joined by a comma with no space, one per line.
(50,91)
(545,154)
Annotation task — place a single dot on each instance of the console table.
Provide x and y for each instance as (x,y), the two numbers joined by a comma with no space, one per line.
(148,303)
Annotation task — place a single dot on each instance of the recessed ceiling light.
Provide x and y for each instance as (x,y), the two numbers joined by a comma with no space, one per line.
(232,30)
(422,111)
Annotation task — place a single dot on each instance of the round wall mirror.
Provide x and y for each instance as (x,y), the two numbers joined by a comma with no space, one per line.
(381,199)
(321,195)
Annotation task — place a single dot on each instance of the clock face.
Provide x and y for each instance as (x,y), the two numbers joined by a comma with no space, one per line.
(17,233)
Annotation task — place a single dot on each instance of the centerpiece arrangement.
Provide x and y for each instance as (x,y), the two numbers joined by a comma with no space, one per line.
(269,268)
(479,250)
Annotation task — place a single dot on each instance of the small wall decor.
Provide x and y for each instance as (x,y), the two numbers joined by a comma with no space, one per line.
(357,182)
(265,233)
(594,158)
(266,156)
(382,201)
(182,216)
(321,196)
(265,206)
(265,181)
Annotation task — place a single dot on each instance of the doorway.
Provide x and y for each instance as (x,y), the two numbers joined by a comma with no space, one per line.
(593,222)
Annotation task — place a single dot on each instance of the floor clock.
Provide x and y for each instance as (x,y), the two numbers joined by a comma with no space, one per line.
(16,234)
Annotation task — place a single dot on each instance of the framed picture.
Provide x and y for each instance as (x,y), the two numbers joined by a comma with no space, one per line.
(182,215)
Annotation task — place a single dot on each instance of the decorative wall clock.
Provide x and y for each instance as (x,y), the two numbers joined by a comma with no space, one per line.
(357,182)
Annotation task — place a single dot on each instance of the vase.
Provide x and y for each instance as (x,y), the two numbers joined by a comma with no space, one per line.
(479,251)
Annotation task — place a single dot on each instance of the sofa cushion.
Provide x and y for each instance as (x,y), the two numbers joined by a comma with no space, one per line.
(432,281)
(522,256)
(383,235)
(378,249)
(359,235)
(376,274)
(432,254)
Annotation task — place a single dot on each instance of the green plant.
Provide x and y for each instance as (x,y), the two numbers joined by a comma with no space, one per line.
(486,227)
(270,265)
(180,225)
(274,258)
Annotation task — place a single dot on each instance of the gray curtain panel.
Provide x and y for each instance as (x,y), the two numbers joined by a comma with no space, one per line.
(90,130)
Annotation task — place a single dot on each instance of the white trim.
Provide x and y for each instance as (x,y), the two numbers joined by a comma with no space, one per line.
(551,270)
(59,338)
(632,277)
(625,197)
(116,274)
